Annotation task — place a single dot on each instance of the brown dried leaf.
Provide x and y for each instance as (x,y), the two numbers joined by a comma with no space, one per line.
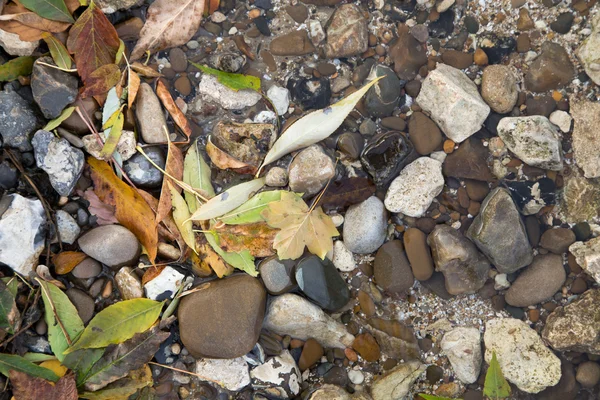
(28,25)
(173,167)
(257,238)
(133,86)
(341,194)
(104,213)
(170,229)
(224,161)
(209,257)
(26,387)
(242,46)
(179,117)
(101,80)
(67,260)
(145,70)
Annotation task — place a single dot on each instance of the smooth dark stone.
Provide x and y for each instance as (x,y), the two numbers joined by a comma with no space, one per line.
(541,192)
(320,281)
(311,93)
(496,48)
(351,144)
(8,175)
(52,88)
(515,312)
(336,376)
(392,269)
(582,231)
(444,26)
(263,25)
(277,275)
(469,162)
(382,99)
(471,24)
(563,23)
(141,172)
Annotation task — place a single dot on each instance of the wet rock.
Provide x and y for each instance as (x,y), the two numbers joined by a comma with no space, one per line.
(524,359)
(232,374)
(443,26)
(13,45)
(224,319)
(399,343)
(580,200)
(413,191)
(496,47)
(62,162)
(67,227)
(111,6)
(391,268)
(74,123)
(52,88)
(22,226)
(277,275)
(165,285)
(469,161)
(457,59)
(113,245)
(295,43)
(88,268)
(407,54)
(293,315)
(183,85)
(130,28)
(587,255)
(125,146)
(150,115)
(588,374)
(532,196)
(462,346)
(366,345)
(310,171)
(499,88)
(575,326)
(465,269)
(311,93)
(17,120)
(557,240)
(320,281)
(589,52)
(499,232)
(538,282)
(586,115)
(317,34)
(566,389)
(418,253)
(128,283)
(396,383)
(141,172)
(83,303)
(382,99)
(453,101)
(210,89)
(280,97)
(424,133)
(347,33)
(178,59)
(365,226)
(279,373)
(343,259)
(312,351)
(562,24)
(385,155)
(552,69)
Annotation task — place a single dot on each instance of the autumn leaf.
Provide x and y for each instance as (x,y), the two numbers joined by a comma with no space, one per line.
(300,227)
(181,215)
(55,123)
(67,260)
(196,173)
(81,361)
(10,362)
(133,85)
(231,80)
(145,70)
(209,258)
(123,388)
(20,66)
(104,213)
(496,387)
(115,132)
(9,313)
(100,81)
(341,194)
(58,51)
(250,211)
(211,6)
(224,161)
(170,231)
(27,387)
(51,9)
(179,117)
(131,210)
(29,26)
(257,238)
(173,168)
(241,260)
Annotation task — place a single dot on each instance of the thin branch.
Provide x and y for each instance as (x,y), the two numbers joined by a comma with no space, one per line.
(183,371)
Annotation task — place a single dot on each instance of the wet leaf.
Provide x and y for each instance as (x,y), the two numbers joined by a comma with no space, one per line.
(495,387)
(225,161)
(58,51)
(347,192)
(55,123)
(105,214)
(228,200)
(131,210)
(51,9)
(181,215)
(211,6)
(118,322)
(67,260)
(94,42)
(62,318)
(174,168)
(17,363)
(300,227)
(123,388)
(316,126)
(257,238)
(27,387)
(82,361)
(116,129)
(242,260)
(168,24)
(133,85)
(145,70)
(231,80)
(20,66)
(196,173)
(119,360)
(9,313)
(100,81)
(178,117)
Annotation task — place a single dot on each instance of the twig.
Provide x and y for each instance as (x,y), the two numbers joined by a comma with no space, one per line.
(23,329)
(55,67)
(183,371)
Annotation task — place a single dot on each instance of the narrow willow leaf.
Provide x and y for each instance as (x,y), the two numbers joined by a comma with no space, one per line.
(9,313)
(120,52)
(113,138)
(62,318)
(117,323)
(58,51)
(231,80)
(20,66)
(181,215)
(249,212)
(242,260)
(66,113)
(12,283)
(18,363)
(496,387)
(228,200)
(196,173)
(38,357)
(82,361)
(316,126)
(123,388)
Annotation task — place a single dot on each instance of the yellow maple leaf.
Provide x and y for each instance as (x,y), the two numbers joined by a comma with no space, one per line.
(300,226)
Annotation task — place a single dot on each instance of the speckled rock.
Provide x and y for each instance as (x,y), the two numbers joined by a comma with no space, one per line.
(538,282)
(128,283)
(232,374)
(150,115)
(13,45)
(67,227)
(210,89)
(462,346)
(111,6)
(310,171)
(587,255)
(365,226)
(343,259)
(52,88)
(589,52)
(557,240)
(396,383)
(18,120)
(580,200)
(586,138)
(499,88)
(552,69)
(142,172)
(391,268)
(347,33)
(279,373)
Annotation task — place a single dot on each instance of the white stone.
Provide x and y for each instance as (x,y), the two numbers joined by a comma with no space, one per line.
(523,357)
(396,384)
(290,314)
(67,227)
(453,101)
(14,46)
(412,192)
(316,32)
(343,259)
(280,97)
(129,284)
(589,52)
(279,372)
(356,376)
(230,373)
(587,255)
(125,147)
(586,136)
(169,280)
(562,119)
(265,117)
(462,346)
(501,282)
(217,17)
(21,238)
(211,90)
(534,139)
(444,5)
(439,156)
(365,226)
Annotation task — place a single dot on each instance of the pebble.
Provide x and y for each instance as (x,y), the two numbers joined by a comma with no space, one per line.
(499,88)
(67,227)
(351,144)
(311,93)
(320,281)
(52,88)
(365,226)
(231,373)
(457,59)
(588,374)
(178,59)
(130,29)
(8,175)
(183,85)
(165,285)
(589,52)
(418,253)
(407,53)
(88,268)
(141,172)
(150,115)
(295,43)
(128,283)
(538,282)
(398,381)
(279,373)
(14,46)
(562,119)
(343,259)
(424,133)
(392,269)
(210,89)
(311,354)
(356,377)
(587,255)
(347,32)
(113,245)
(562,24)
(469,161)
(586,116)
(280,97)
(383,97)
(310,171)
(552,69)
(298,12)
(462,346)
(83,303)
(557,240)
(276,177)
(277,275)
(366,345)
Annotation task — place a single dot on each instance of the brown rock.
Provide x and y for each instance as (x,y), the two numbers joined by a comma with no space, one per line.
(477,190)
(499,88)
(523,43)
(129,29)
(480,57)
(419,254)
(557,240)
(407,54)
(347,34)
(83,303)
(183,85)
(469,161)
(424,133)
(457,59)
(392,269)
(311,354)
(552,69)
(366,345)
(323,2)
(367,305)
(524,22)
(299,12)
(538,282)
(295,43)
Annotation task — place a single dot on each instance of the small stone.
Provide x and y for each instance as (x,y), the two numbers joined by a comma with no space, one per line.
(457,59)
(311,93)
(480,57)
(343,259)
(407,54)
(327,391)
(525,23)
(52,88)
(499,88)
(424,133)
(113,245)
(557,240)
(17,120)
(586,115)
(368,127)
(382,99)
(347,33)
(150,115)
(469,161)
(538,282)
(125,147)
(276,177)
(391,268)
(462,346)
(128,283)
(279,373)
(316,32)
(320,281)
(420,32)
(74,123)
(552,69)
(142,172)
(130,29)
(164,285)
(385,155)
(277,275)
(280,97)
(443,26)
(311,354)
(83,303)
(588,374)
(418,253)
(351,144)
(310,171)
(589,52)
(356,377)
(295,43)
(587,255)
(14,46)
(67,227)
(563,23)
(183,85)
(523,43)
(562,119)
(366,345)
(210,89)
(497,48)
(88,268)
(471,24)
(365,226)
(232,373)
(111,6)
(397,382)
(299,12)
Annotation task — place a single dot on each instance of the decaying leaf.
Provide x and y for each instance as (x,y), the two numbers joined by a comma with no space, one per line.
(10,362)
(300,227)
(81,361)
(123,388)
(496,387)
(105,213)
(211,6)
(58,51)
(181,215)
(116,130)
(201,261)
(196,173)
(55,366)
(242,260)
(100,81)
(131,210)
(168,24)
(178,117)
(27,387)
(20,66)
(224,161)
(145,70)
(51,9)
(341,194)
(119,360)
(9,313)
(173,168)
(29,26)
(250,211)
(208,257)
(133,85)
(171,231)
(231,80)
(67,260)
(257,238)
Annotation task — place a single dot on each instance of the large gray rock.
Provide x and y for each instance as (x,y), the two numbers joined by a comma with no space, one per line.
(21,232)
(499,232)
(462,346)
(580,200)
(310,170)
(523,357)
(113,245)
(538,282)
(347,33)
(62,162)
(465,269)
(396,384)
(150,115)
(453,101)
(589,52)
(587,255)
(534,139)
(52,88)
(586,137)
(365,226)
(575,327)
(17,120)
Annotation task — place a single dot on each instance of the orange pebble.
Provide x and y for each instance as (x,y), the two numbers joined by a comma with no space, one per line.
(449,146)
(480,57)
(351,354)
(557,96)
(254,13)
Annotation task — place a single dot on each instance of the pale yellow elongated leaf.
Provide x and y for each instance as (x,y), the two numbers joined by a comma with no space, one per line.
(181,215)
(228,200)
(196,173)
(316,126)
(116,129)
(66,113)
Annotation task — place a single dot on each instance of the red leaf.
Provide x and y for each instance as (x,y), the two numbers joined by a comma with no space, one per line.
(27,387)
(101,80)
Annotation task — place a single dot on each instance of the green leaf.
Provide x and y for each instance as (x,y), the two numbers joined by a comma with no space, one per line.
(196,173)
(55,10)
(433,397)
(181,215)
(229,200)
(61,317)
(20,66)
(495,387)
(117,323)
(12,283)
(123,388)
(114,136)
(82,361)
(249,212)
(38,357)
(58,51)
(18,363)
(231,80)
(242,260)
(55,123)
(9,313)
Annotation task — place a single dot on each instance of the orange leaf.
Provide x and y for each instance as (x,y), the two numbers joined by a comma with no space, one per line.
(257,238)
(30,26)
(67,260)
(152,273)
(208,257)
(224,161)
(172,231)
(174,111)
(101,80)
(132,87)
(213,5)
(173,167)
(131,209)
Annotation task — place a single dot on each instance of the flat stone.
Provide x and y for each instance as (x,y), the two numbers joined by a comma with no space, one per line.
(320,281)
(462,346)
(499,88)
(469,161)
(67,227)
(418,253)
(552,69)
(366,345)
(587,255)
(523,357)
(295,43)
(279,373)
(534,139)
(18,120)
(82,302)
(499,232)
(113,245)
(407,53)
(310,170)
(232,374)
(453,102)
(557,240)
(343,259)
(277,275)
(424,133)
(589,52)
(165,285)
(538,282)
(347,33)
(280,97)
(391,268)
(211,89)
(396,383)
(365,226)
(150,115)
(88,268)
(52,88)
(14,46)
(312,351)
(586,137)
